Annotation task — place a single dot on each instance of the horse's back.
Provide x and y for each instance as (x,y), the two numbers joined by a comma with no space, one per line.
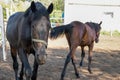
(12,28)
(82,33)
(15,17)
(79,28)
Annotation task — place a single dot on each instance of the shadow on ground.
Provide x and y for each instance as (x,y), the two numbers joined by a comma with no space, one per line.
(105,65)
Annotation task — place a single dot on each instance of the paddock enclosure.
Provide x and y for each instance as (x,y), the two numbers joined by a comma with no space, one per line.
(106,53)
(105,62)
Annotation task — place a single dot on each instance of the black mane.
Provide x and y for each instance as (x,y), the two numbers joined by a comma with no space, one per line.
(95,26)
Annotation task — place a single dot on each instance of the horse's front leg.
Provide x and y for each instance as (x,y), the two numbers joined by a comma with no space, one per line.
(21,72)
(90,57)
(24,60)
(15,62)
(35,69)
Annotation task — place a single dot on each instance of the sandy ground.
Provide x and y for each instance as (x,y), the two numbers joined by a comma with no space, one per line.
(105,62)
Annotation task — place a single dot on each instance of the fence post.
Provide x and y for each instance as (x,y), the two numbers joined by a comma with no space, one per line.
(3,33)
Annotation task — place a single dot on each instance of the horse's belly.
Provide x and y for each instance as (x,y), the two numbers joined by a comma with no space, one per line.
(85,43)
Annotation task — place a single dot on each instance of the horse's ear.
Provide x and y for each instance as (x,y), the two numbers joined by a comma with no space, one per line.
(50,8)
(33,7)
(100,23)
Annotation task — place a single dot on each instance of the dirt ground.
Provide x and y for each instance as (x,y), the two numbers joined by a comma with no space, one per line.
(105,62)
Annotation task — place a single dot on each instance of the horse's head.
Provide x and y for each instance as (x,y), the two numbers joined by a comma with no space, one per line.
(97,30)
(40,25)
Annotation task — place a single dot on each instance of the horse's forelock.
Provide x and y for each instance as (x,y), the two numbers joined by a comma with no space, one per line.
(39,7)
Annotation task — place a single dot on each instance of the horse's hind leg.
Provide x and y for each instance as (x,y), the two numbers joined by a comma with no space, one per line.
(69,57)
(90,58)
(82,56)
(15,63)
(73,61)
(76,71)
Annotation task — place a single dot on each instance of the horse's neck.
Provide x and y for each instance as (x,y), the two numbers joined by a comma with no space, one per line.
(24,29)
(90,33)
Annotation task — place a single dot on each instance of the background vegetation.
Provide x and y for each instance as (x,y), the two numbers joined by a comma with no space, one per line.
(22,5)
(56,16)
(108,33)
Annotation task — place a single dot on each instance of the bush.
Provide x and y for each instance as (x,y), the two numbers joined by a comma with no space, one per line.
(114,33)
(56,16)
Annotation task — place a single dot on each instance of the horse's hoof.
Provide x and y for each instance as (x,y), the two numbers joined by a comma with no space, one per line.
(77,75)
(20,78)
(80,64)
(89,71)
(61,79)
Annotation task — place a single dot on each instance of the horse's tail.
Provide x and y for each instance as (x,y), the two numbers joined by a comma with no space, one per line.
(60,30)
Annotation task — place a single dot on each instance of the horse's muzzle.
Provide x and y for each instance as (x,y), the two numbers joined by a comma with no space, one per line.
(41,59)
(96,40)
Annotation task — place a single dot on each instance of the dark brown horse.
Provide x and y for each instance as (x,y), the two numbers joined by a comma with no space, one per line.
(27,32)
(78,34)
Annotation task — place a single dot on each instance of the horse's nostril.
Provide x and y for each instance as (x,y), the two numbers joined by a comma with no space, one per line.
(46,47)
(42,61)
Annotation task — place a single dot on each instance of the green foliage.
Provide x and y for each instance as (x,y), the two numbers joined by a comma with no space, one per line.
(20,5)
(105,32)
(114,33)
(17,5)
(59,5)
(56,16)
(58,10)
(4,13)
(4,6)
